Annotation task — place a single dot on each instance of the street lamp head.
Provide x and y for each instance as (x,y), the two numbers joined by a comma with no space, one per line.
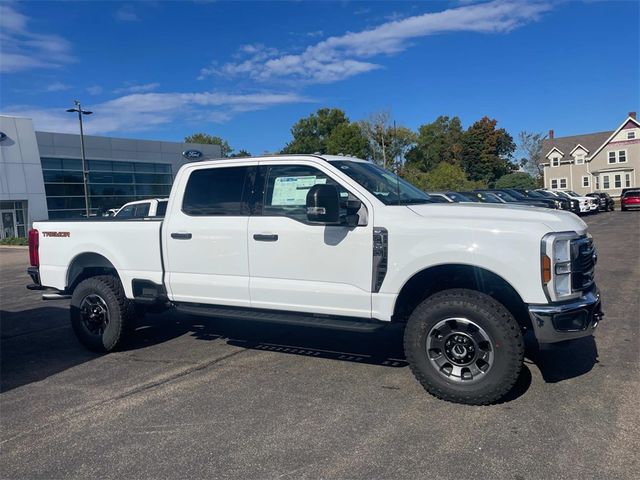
(86,112)
(71,110)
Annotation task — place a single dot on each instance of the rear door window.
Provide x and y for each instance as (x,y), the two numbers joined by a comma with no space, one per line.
(217,191)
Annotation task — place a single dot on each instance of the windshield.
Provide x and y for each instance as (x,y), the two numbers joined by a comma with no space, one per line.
(545,194)
(534,194)
(386,186)
(572,193)
(562,194)
(489,197)
(505,196)
(461,197)
(516,194)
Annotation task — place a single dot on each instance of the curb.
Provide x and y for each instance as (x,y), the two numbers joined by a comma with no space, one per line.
(14,247)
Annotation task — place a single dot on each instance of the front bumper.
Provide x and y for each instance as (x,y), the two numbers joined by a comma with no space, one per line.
(558,322)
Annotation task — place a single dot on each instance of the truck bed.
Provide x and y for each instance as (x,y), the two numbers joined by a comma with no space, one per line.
(131,246)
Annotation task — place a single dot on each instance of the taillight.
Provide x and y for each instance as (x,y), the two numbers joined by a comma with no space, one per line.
(34,244)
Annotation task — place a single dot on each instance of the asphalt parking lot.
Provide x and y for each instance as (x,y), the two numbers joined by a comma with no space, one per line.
(207,398)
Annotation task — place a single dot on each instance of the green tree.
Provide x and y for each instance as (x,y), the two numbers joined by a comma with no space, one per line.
(205,138)
(347,139)
(310,134)
(444,176)
(240,153)
(516,180)
(486,151)
(436,142)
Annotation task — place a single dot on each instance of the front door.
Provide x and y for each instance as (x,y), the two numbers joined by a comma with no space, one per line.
(298,266)
(8,224)
(205,238)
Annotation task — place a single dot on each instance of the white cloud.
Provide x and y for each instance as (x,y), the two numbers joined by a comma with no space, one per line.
(144,111)
(317,33)
(147,87)
(340,57)
(94,90)
(126,13)
(25,50)
(57,87)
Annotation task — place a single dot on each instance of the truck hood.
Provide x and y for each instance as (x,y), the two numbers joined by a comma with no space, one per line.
(555,220)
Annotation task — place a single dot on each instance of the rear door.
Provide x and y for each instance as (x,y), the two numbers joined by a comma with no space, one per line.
(205,236)
(298,266)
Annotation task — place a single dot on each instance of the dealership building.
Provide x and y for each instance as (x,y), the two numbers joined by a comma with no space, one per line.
(41,172)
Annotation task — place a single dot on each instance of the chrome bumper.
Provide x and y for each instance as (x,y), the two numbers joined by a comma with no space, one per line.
(558,322)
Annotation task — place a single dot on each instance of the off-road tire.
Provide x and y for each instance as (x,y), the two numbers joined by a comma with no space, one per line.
(502,329)
(121,313)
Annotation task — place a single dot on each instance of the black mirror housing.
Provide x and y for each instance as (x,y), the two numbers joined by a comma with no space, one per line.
(323,204)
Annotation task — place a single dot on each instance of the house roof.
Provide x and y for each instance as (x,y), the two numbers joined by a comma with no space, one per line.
(590,141)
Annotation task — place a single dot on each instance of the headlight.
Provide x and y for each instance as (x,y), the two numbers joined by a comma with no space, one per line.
(556,257)
(558,204)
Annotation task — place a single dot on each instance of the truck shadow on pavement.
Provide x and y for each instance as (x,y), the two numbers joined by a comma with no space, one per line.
(36,344)
(39,343)
(565,361)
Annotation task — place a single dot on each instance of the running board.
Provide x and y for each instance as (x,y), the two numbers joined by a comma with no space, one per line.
(282,317)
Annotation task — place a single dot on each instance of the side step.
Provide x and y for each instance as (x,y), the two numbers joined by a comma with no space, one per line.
(282,317)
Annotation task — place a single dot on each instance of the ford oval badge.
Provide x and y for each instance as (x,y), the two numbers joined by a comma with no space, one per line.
(192,154)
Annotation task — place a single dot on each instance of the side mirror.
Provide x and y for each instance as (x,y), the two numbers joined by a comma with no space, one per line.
(323,204)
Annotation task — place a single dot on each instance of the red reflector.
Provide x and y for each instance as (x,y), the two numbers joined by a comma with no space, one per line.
(34,244)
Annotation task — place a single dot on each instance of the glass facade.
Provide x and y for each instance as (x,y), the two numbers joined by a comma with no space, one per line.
(111,184)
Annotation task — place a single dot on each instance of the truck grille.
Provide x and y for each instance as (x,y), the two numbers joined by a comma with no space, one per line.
(583,265)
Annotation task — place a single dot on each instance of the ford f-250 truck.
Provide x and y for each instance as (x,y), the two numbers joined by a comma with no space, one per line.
(336,242)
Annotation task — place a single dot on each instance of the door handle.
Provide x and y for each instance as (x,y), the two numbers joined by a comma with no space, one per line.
(181,236)
(265,237)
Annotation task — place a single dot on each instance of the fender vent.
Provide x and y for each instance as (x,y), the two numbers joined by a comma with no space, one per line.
(380,257)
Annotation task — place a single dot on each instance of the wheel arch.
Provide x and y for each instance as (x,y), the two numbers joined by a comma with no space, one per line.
(86,265)
(437,278)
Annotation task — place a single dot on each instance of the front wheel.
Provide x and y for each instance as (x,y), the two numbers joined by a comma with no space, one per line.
(463,346)
(101,313)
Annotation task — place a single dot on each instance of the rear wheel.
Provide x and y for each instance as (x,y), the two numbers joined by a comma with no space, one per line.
(464,347)
(101,313)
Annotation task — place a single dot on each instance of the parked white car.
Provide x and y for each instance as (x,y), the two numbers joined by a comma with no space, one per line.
(338,242)
(586,203)
(593,202)
(151,207)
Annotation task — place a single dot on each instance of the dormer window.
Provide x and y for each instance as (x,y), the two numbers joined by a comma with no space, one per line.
(580,159)
(555,162)
(631,135)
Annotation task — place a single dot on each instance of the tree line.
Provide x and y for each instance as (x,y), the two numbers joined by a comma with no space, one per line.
(440,155)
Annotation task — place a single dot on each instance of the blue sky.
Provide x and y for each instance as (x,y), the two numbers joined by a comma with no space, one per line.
(247,71)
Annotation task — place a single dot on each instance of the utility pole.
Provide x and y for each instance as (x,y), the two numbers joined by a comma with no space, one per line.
(85,172)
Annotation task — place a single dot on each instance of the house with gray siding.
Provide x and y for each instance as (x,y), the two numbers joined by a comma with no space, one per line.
(594,162)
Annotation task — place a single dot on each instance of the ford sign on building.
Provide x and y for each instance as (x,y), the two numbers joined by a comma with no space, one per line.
(41,172)
(192,155)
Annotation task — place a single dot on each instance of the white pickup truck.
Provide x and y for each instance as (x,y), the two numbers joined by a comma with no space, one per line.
(334,242)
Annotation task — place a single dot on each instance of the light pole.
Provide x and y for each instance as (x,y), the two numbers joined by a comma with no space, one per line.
(84,160)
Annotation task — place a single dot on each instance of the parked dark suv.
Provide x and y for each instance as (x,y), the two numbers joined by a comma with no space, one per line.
(605,202)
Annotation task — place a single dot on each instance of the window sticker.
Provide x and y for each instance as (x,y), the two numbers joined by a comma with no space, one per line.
(293,190)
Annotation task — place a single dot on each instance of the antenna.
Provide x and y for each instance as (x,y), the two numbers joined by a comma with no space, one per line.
(395,139)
